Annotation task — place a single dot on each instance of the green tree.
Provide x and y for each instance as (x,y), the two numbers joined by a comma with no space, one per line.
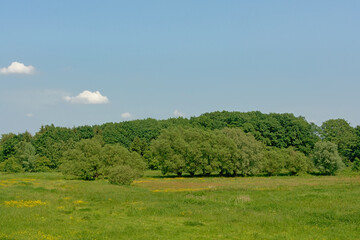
(139,145)
(248,152)
(8,143)
(326,158)
(169,149)
(278,130)
(340,132)
(296,162)
(90,159)
(43,164)
(195,151)
(183,150)
(356,164)
(274,161)
(25,153)
(11,165)
(357,146)
(83,161)
(117,155)
(122,175)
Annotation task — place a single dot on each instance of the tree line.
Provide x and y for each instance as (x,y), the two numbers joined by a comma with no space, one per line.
(224,143)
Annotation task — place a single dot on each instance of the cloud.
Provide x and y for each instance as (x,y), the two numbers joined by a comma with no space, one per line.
(29,115)
(178,114)
(17,68)
(126,115)
(87,97)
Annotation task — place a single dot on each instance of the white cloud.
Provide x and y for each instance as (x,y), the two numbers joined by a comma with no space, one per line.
(178,114)
(87,97)
(17,68)
(29,115)
(126,115)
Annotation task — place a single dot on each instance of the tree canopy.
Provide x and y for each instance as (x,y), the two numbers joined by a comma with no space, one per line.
(226,143)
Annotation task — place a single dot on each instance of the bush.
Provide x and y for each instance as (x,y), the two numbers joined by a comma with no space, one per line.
(11,165)
(326,158)
(43,164)
(116,155)
(356,165)
(123,175)
(247,153)
(228,152)
(80,164)
(296,162)
(274,161)
(90,160)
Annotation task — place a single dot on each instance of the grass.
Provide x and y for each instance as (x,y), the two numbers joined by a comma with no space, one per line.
(47,206)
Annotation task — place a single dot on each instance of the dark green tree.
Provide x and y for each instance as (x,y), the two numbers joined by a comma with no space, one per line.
(8,143)
(139,145)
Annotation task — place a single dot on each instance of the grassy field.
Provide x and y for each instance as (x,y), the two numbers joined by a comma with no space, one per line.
(46,206)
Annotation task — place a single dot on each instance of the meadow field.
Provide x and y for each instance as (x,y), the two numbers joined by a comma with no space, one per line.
(48,206)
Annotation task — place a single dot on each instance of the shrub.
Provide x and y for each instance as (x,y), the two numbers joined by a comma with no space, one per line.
(296,162)
(248,152)
(274,161)
(123,175)
(356,164)
(326,158)
(84,166)
(43,164)
(195,151)
(89,160)
(11,165)
(116,155)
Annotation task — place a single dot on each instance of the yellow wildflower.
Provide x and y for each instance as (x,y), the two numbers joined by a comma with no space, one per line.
(24,203)
(79,202)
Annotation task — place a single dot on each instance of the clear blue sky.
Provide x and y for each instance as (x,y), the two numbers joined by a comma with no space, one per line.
(152,58)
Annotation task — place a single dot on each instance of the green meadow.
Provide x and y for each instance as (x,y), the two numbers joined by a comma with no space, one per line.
(48,206)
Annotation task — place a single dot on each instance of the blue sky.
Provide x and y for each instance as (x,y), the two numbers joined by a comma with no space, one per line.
(160,59)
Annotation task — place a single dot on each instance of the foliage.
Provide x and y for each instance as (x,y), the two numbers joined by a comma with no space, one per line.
(326,158)
(83,161)
(139,145)
(225,143)
(274,161)
(42,164)
(278,130)
(357,147)
(296,162)
(25,154)
(51,142)
(116,155)
(8,143)
(196,151)
(11,165)
(124,133)
(123,175)
(248,152)
(340,132)
(90,159)
(286,161)
(356,164)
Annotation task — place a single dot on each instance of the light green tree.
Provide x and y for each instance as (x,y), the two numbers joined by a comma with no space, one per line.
(326,158)
(340,132)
